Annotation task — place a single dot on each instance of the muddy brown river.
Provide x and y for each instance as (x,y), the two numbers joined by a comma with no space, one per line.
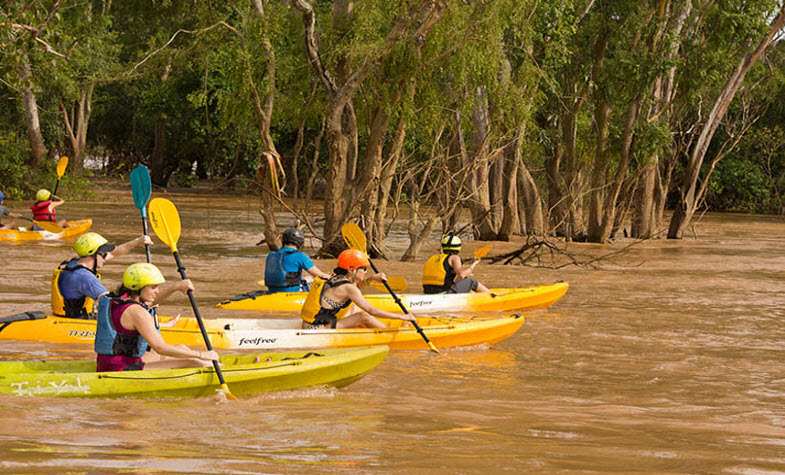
(667,359)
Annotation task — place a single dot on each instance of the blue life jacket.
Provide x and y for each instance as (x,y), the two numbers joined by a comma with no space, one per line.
(275,275)
(108,341)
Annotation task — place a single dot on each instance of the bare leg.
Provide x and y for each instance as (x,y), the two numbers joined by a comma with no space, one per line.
(360,320)
(153,360)
(482,288)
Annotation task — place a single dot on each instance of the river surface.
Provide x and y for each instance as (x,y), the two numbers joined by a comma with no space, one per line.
(667,359)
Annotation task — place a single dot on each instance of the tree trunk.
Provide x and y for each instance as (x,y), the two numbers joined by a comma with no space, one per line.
(532,202)
(479,163)
(689,200)
(644,214)
(32,121)
(509,200)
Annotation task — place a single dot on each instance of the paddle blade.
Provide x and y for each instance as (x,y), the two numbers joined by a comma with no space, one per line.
(49,226)
(483,251)
(224,389)
(354,236)
(141,186)
(396,282)
(165,221)
(62,164)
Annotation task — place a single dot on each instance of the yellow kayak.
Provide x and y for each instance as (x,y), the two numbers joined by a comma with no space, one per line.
(75,228)
(498,300)
(246,375)
(276,334)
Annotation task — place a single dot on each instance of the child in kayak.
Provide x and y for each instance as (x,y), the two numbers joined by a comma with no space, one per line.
(283,268)
(445,272)
(328,304)
(44,208)
(128,324)
(76,283)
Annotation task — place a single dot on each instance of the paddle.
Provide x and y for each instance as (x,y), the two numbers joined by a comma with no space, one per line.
(22,316)
(61,166)
(141,189)
(355,238)
(483,251)
(165,221)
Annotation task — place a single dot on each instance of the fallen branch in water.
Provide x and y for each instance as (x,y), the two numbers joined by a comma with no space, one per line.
(536,248)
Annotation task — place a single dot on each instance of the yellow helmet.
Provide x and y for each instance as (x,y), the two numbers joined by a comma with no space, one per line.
(140,275)
(42,195)
(89,244)
(451,242)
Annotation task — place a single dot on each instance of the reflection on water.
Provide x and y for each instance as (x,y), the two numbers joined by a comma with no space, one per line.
(669,359)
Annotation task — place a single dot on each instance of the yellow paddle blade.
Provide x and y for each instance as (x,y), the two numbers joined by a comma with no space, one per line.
(483,251)
(396,282)
(61,166)
(165,221)
(48,226)
(354,236)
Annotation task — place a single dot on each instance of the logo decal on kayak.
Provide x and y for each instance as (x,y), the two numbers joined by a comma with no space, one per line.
(87,334)
(23,388)
(256,341)
(419,303)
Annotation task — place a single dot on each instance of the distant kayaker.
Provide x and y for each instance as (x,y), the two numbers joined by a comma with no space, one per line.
(128,324)
(76,283)
(283,268)
(445,272)
(328,304)
(44,208)
(3,211)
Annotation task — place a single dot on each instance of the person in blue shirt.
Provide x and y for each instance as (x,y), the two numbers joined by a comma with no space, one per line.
(76,283)
(283,268)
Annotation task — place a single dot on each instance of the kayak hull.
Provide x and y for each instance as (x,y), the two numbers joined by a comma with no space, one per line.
(276,334)
(247,375)
(498,300)
(75,228)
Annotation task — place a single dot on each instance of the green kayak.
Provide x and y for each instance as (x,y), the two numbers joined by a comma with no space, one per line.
(246,375)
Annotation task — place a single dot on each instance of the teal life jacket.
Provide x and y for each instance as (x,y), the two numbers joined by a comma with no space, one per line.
(108,341)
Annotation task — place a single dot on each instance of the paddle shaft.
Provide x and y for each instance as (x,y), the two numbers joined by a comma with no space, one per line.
(57,184)
(198,315)
(146,233)
(401,305)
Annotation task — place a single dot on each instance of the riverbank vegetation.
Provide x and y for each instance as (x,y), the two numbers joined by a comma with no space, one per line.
(576,118)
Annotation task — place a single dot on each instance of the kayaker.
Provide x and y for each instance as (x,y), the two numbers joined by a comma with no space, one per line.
(44,208)
(127,325)
(283,268)
(3,211)
(445,272)
(328,304)
(76,283)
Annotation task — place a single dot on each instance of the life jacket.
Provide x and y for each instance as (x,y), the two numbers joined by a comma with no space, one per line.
(41,211)
(74,308)
(313,312)
(437,274)
(275,275)
(110,342)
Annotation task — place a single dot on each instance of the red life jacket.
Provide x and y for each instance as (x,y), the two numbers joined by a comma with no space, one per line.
(41,211)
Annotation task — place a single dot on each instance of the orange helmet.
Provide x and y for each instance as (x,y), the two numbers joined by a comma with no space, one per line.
(352,259)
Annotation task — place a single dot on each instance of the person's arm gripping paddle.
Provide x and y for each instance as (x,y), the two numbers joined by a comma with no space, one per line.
(165,221)
(355,238)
